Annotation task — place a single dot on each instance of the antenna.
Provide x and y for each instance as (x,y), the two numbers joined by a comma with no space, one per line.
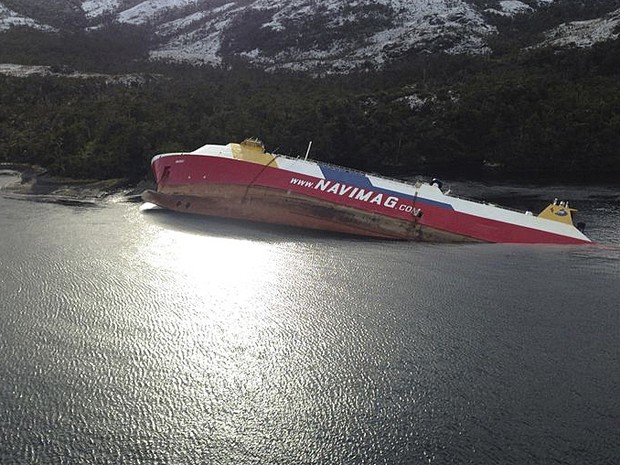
(308,151)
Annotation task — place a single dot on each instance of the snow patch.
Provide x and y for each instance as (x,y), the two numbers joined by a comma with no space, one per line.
(415,102)
(95,8)
(10,69)
(584,33)
(510,8)
(441,26)
(201,46)
(178,25)
(24,71)
(150,10)
(9,19)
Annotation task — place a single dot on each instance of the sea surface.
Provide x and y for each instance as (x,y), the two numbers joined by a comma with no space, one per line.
(133,335)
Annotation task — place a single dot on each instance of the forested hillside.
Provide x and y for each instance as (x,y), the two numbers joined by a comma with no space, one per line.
(548,115)
(542,112)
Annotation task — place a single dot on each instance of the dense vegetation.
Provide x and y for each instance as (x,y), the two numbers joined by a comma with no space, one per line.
(544,113)
(56,13)
(111,48)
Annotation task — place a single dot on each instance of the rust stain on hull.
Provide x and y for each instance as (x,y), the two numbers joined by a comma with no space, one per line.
(262,204)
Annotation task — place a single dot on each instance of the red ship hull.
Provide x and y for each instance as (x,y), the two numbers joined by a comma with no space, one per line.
(309,195)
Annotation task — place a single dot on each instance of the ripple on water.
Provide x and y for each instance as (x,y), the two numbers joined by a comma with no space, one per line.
(141,342)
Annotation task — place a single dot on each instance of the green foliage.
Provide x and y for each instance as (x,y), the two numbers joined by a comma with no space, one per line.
(543,125)
(112,48)
(543,113)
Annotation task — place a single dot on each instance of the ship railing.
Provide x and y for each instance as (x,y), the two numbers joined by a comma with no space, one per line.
(351,170)
(402,180)
(485,202)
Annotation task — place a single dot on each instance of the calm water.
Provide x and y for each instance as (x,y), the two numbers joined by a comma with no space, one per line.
(140,337)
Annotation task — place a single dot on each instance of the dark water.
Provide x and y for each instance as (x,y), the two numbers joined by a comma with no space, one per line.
(135,337)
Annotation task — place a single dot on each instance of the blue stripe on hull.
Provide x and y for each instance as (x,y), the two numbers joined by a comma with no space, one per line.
(351,178)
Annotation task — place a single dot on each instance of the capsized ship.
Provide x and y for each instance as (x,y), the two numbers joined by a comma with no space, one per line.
(243,181)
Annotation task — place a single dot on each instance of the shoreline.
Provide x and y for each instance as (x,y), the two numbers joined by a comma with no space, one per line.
(34,181)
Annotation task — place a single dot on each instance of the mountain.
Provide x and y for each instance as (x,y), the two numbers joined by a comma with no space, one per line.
(585,33)
(324,35)
(10,18)
(526,88)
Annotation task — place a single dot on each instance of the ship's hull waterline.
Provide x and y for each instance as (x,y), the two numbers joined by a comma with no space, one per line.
(267,205)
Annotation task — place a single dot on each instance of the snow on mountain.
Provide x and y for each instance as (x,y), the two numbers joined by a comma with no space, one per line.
(150,10)
(585,33)
(15,70)
(198,46)
(305,34)
(197,37)
(96,8)
(458,25)
(9,19)
(176,26)
(510,8)
(317,35)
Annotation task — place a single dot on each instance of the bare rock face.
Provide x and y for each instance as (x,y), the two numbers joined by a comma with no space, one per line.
(305,35)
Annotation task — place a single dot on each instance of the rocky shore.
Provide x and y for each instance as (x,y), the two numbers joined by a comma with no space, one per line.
(34,183)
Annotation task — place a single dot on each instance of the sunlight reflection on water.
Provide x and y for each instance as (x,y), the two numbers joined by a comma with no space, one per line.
(157,337)
(214,267)
(226,299)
